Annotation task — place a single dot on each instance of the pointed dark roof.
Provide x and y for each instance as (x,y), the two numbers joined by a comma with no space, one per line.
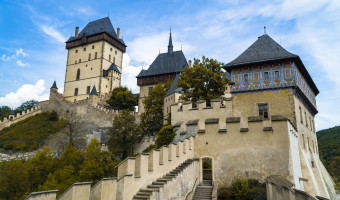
(94,91)
(173,88)
(54,86)
(263,49)
(170,47)
(114,68)
(103,25)
(166,63)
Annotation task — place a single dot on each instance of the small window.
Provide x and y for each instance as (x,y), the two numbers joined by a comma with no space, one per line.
(78,74)
(89,57)
(77,51)
(306,119)
(114,60)
(266,75)
(84,49)
(91,68)
(110,49)
(277,74)
(88,89)
(76,92)
(246,78)
(149,90)
(303,141)
(79,60)
(263,110)
(75,62)
(92,46)
(116,52)
(167,109)
(95,55)
(109,58)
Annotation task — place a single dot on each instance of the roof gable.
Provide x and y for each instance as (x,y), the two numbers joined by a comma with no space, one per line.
(166,63)
(263,49)
(173,88)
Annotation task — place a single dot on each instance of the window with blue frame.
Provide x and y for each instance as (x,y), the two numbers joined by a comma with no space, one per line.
(276,74)
(266,75)
(246,78)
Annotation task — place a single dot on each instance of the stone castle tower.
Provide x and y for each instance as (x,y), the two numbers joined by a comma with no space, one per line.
(94,60)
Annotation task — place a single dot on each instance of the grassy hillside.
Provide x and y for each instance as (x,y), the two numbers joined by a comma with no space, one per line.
(329,149)
(29,134)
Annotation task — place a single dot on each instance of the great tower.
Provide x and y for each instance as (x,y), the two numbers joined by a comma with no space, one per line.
(94,59)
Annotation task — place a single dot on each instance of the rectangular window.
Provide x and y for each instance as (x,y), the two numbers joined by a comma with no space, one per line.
(116,52)
(167,109)
(89,57)
(306,119)
(263,110)
(92,46)
(84,49)
(88,90)
(308,148)
(95,55)
(79,60)
(114,60)
(276,74)
(76,92)
(301,119)
(266,75)
(246,78)
(310,122)
(76,51)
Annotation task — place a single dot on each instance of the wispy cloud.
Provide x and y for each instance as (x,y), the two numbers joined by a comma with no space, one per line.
(52,32)
(18,54)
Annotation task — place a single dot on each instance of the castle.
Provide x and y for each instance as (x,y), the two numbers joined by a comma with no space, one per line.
(262,127)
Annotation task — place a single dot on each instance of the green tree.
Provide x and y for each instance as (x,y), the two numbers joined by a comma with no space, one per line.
(26,105)
(152,119)
(4,112)
(165,136)
(204,81)
(123,134)
(122,98)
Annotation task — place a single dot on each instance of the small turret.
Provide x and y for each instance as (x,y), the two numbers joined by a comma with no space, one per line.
(94,97)
(54,86)
(11,115)
(94,91)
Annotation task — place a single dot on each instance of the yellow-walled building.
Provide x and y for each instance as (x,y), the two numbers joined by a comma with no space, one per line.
(95,57)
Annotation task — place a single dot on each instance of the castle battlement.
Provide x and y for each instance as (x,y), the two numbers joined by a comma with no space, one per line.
(6,122)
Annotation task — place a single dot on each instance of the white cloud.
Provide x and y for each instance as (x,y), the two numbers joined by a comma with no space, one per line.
(52,32)
(25,93)
(129,74)
(18,53)
(21,64)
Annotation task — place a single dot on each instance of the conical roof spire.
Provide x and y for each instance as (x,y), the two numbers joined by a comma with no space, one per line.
(170,47)
(94,91)
(54,86)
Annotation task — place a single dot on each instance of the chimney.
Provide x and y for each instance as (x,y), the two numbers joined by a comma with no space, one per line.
(189,63)
(76,33)
(118,31)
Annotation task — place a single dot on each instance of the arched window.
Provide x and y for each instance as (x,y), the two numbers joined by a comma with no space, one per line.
(78,74)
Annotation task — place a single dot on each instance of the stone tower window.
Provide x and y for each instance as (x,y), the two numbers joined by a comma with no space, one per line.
(114,60)
(75,91)
(303,141)
(110,49)
(109,58)
(263,110)
(116,52)
(306,119)
(300,114)
(95,55)
(79,60)
(78,74)
(76,51)
(89,57)
(84,49)
(92,46)
(88,89)
(246,78)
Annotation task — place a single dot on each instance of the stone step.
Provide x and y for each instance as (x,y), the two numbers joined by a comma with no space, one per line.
(140,197)
(162,180)
(146,190)
(158,183)
(144,193)
(155,186)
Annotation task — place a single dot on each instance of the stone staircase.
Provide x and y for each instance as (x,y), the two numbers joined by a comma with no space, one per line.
(145,193)
(203,191)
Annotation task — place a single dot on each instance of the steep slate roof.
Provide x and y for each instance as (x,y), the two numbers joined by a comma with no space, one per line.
(173,88)
(103,25)
(54,86)
(265,49)
(166,63)
(114,68)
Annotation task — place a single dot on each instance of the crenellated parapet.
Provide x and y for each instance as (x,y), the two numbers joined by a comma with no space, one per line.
(6,122)
(139,173)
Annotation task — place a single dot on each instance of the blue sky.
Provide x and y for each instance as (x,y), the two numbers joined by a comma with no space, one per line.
(33,54)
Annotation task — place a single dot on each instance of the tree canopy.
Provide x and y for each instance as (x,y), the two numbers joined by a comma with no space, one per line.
(164,136)
(153,117)
(4,112)
(122,98)
(26,105)
(123,134)
(204,81)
